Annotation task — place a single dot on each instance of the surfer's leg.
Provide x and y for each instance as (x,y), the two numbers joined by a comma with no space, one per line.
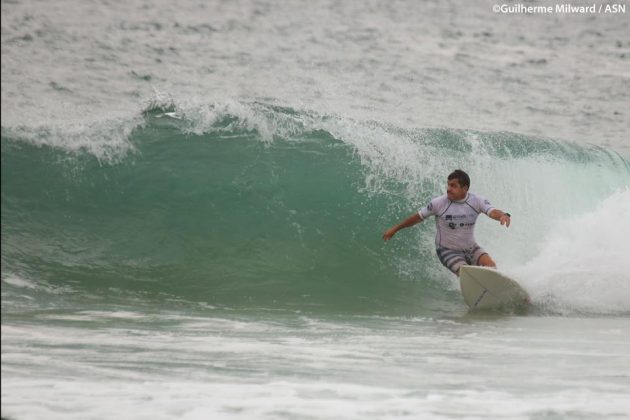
(481,257)
(451,259)
(486,261)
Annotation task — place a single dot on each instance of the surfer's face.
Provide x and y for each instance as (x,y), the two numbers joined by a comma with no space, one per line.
(454,191)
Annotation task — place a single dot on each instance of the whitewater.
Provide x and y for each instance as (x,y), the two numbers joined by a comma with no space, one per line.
(193,198)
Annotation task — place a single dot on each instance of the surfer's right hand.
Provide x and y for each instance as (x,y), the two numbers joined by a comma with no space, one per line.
(388,234)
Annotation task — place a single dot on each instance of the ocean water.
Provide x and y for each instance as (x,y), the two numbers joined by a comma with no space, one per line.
(194,193)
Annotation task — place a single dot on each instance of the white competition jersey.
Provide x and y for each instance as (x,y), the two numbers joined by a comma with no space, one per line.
(455,220)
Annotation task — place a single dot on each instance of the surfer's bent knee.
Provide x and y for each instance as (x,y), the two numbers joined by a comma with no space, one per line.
(486,260)
(455,259)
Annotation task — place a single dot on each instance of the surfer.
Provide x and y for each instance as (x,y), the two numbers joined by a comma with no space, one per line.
(456,213)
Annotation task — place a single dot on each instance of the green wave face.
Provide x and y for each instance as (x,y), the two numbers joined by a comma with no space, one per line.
(279,209)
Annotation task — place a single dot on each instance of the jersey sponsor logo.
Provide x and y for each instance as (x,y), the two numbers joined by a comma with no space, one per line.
(453,225)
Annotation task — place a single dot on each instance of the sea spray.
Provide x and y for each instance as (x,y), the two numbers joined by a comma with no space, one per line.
(583,263)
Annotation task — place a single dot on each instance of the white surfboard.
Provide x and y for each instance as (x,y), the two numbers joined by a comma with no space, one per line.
(486,288)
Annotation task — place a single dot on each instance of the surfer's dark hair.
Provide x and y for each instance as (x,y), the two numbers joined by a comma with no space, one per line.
(461,177)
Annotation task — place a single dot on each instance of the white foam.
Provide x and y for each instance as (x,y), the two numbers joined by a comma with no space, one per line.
(350,368)
(106,139)
(201,116)
(279,399)
(24,283)
(19,282)
(583,262)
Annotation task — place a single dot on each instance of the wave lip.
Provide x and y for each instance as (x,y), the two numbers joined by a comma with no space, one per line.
(108,140)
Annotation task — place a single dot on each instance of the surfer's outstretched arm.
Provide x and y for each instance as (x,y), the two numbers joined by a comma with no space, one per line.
(408,222)
(501,216)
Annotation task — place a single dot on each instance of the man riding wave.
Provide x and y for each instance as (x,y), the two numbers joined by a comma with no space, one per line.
(456,213)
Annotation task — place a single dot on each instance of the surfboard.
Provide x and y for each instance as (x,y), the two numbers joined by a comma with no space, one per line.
(487,288)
